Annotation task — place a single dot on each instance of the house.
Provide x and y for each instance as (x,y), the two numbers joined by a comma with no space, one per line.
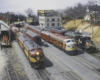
(49,18)
(93,13)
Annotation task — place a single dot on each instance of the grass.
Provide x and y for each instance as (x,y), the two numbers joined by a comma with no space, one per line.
(70,25)
(73,24)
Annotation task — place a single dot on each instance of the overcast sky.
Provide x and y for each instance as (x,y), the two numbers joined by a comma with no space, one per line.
(22,5)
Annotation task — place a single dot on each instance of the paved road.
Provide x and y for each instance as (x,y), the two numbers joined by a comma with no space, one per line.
(83,65)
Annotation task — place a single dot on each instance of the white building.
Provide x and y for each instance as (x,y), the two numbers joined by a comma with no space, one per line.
(92,12)
(50,20)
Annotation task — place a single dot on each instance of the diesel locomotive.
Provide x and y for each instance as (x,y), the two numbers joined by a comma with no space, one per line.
(32,50)
(65,43)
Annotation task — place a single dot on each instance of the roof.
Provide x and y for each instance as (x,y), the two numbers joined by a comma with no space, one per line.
(24,30)
(4,26)
(60,37)
(58,30)
(2,15)
(32,33)
(46,32)
(24,38)
(31,44)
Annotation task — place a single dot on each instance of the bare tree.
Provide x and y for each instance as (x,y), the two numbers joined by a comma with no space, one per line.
(29,12)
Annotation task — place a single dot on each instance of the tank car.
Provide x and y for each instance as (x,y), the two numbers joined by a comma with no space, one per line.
(33,51)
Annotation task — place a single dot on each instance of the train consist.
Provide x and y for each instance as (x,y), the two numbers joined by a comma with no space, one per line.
(31,49)
(65,43)
(58,30)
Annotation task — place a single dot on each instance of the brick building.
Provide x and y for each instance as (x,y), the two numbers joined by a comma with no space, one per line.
(3,16)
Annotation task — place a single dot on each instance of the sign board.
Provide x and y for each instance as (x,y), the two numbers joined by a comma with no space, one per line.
(29,20)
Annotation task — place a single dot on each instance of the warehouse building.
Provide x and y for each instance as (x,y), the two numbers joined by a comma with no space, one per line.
(5,34)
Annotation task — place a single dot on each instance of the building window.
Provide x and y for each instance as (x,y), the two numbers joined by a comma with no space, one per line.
(58,24)
(53,19)
(58,19)
(53,24)
(47,20)
(48,24)
(42,24)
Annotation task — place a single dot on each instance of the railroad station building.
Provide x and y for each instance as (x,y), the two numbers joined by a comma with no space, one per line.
(49,18)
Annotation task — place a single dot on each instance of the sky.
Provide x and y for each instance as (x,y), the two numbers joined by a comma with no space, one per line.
(19,6)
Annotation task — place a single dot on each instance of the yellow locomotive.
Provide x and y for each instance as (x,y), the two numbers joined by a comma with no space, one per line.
(33,51)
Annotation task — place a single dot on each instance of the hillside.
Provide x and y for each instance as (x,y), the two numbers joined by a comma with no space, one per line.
(81,25)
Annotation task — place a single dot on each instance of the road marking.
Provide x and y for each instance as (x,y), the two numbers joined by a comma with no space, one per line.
(97,54)
(68,65)
(87,65)
(81,58)
(84,63)
(58,62)
(76,62)
(89,62)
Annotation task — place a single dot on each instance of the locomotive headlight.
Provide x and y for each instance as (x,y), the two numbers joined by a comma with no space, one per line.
(37,53)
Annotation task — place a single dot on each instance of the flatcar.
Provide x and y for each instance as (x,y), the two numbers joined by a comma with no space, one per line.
(33,51)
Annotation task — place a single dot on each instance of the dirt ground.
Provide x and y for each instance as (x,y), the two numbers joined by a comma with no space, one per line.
(79,25)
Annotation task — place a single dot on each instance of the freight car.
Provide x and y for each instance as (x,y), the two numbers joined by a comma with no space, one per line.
(16,32)
(33,51)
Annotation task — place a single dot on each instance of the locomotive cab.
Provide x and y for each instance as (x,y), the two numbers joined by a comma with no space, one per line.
(86,44)
(36,57)
(71,47)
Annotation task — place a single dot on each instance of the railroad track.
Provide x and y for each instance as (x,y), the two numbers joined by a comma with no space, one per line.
(96,55)
(11,73)
(42,74)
